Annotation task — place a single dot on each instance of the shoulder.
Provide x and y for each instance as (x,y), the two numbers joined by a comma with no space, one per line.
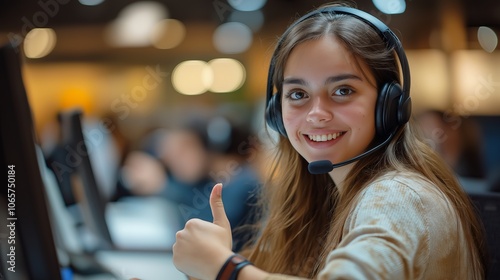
(388,195)
(403,187)
(401,200)
(400,219)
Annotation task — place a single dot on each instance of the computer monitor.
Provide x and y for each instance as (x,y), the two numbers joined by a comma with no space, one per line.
(488,207)
(27,239)
(91,202)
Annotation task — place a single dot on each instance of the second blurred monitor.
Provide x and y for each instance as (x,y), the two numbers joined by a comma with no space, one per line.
(131,224)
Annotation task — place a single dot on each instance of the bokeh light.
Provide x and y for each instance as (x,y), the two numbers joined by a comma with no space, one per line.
(487,38)
(247,5)
(390,7)
(39,42)
(90,2)
(135,24)
(168,34)
(192,77)
(229,75)
(232,38)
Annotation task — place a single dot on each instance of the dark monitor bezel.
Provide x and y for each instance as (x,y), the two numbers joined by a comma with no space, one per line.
(18,140)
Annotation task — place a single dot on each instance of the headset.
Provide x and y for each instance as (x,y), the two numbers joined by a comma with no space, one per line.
(393,108)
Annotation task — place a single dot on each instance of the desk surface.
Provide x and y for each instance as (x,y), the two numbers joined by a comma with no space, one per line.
(143,223)
(142,265)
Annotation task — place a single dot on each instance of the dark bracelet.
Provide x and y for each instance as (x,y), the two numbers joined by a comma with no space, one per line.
(236,271)
(223,268)
(231,268)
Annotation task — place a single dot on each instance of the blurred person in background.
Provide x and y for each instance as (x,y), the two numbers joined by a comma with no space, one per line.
(182,163)
(457,139)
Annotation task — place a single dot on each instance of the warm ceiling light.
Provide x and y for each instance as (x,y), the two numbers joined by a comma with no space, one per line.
(232,37)
(475,76)
(192,77)
(487,38)
(72,97)
(39,42)
(229,74)
(430,85)
(135,24)
(168,34)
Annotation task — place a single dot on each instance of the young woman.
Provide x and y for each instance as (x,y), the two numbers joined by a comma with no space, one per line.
(390,209)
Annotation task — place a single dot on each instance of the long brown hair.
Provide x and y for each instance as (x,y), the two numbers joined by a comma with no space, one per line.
(305,213)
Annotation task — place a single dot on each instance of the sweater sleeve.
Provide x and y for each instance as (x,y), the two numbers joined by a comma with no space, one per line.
(385,237)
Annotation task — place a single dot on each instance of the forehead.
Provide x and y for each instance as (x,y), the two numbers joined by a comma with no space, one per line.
(325,43)
(324,56)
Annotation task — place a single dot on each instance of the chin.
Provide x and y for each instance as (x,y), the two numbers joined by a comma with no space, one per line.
(317,157)
(312,159)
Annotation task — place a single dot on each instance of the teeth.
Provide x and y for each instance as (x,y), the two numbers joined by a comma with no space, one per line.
(324,137)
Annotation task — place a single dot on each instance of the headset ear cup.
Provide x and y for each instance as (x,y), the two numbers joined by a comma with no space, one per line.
(388,116)
(274,118)
(405,110)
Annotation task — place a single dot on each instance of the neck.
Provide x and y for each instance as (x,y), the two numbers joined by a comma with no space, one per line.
(339,174)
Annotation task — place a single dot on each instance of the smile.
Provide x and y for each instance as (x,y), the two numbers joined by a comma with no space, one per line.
(324,137)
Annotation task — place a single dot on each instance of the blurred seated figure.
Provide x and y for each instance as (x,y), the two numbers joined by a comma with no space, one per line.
(457,140)
(143,173)
(187,163)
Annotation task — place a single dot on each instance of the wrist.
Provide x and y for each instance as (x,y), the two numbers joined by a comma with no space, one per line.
(252,272)
(231,268)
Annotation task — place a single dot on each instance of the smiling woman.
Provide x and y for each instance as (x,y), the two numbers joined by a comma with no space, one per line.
(380,212)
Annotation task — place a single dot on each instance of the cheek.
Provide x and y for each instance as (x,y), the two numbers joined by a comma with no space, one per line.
(367,124)
(361,120)
(291,121)
(287,117)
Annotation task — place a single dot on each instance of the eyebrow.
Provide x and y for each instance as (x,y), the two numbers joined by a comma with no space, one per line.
(331,79)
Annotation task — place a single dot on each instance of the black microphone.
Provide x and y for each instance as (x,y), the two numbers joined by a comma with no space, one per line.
(320,167)
(325,166)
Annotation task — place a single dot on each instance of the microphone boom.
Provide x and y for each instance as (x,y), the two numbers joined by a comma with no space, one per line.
(325,166)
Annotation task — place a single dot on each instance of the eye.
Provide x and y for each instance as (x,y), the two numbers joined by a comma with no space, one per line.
(343,91)
(296,95)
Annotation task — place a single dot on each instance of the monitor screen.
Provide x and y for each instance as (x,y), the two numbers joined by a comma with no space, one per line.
(91,202)
(27,242)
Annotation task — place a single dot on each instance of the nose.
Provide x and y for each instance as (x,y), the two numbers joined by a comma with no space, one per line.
(320,111)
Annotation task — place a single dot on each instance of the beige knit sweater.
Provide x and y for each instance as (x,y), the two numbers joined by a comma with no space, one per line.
(402,228)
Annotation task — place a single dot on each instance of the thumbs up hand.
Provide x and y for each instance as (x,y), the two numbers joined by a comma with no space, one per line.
(219,214)
(202,247)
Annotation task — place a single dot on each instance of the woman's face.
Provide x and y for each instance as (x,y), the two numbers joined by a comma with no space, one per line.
(328,101)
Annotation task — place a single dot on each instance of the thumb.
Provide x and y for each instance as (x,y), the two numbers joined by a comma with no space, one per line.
(217,207)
